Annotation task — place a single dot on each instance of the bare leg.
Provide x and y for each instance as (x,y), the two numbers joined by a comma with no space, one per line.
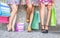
(31,18)
(14,19)
(13,24)
(28,13)
(14,10)
(49,15)
(42,13)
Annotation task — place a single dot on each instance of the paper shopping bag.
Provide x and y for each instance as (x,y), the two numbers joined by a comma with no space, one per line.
(19,27)
(4,9)
(4,19)
(36,20)
(53,17)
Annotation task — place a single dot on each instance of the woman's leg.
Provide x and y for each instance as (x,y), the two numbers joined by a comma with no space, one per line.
(13,24)
(14,19)
(49,7)
(14,11)
(31,18)
(42,13)
(28,12)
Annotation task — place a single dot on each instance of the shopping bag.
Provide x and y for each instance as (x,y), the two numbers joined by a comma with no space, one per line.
(4,9)
(53,17)
(4,19)
(19,27)
(36,20)
(0,12)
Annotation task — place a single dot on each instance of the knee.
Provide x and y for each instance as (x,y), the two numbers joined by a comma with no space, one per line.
(15,9)
(29,6)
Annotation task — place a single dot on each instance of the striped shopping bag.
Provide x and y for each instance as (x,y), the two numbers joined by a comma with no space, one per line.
(0,12)
(4,9)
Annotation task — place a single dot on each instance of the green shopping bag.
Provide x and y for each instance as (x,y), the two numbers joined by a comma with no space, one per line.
(53,18)
(36,20)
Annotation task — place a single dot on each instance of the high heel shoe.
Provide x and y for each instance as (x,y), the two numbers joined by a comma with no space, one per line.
(46,29)
(13,29)
(29,29)
(43,30)
(8,28)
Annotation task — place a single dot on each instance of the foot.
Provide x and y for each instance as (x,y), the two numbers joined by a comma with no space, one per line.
(8,28)
(13,29)
(46,29)
(29,29)
(43,30)
(42,26)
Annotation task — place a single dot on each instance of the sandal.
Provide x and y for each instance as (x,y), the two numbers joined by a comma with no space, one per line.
(8,28)
(46,29)
(13,29)
(29,29)
(42,29)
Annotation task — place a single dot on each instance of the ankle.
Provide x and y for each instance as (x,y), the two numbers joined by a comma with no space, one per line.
(46,27)
(42,26)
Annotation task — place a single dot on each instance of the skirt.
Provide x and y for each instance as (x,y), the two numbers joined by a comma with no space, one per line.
(45,1)
(13,2)
(34,2)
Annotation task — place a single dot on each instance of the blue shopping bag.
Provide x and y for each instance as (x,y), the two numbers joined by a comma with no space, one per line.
(0,12)
(4,9)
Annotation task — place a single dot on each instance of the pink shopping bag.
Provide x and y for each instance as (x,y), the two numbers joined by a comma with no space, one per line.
(4,19)
(19,27)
